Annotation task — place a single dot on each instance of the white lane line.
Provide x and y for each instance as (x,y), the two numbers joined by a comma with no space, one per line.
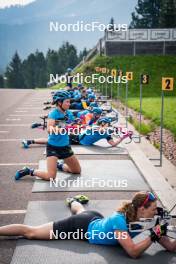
(9,212)
(13,119)
(15,125)
(4,131)
(21,111)
(27,115)
(19,164)
(10,139)
(30,105)
(29,108)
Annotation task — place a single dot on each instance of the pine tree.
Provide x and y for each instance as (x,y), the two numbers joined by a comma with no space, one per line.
(111,23)
(147,14)
(29,69)
(40,70)
(72,55)
(52,63)
(1,81)
(82,54)
(14,73)
(36,69)
(67,55)
(168,14)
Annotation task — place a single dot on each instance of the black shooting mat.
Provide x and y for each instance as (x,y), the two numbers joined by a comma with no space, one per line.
(96,175)
(78,252)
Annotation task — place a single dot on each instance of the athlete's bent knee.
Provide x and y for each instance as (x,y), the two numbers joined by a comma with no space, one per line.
(76,171)
(50,176)
(30,233)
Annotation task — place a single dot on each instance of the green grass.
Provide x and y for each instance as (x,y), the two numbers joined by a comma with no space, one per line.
(145,128)
(55,87)
(60,86)
(156,66)
(151,108)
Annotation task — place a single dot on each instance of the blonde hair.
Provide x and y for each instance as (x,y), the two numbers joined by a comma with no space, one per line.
(130,209)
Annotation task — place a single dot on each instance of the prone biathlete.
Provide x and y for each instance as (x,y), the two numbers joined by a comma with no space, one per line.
(91,225)
(88,137)
(87,117)
(58,146)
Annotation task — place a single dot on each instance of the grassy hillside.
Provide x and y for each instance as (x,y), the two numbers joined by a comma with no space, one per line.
(156,66)
(151,108)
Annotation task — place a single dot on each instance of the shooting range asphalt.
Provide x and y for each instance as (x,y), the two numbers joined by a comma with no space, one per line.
(20,108)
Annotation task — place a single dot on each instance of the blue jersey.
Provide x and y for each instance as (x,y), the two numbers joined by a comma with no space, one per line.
(89,137)
(101,231)
(70,116)
(76,95)
(77,105)
(59,140)
(82,113)
(93,104)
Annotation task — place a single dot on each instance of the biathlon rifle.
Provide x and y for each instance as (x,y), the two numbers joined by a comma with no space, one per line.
(62,122)
(163,217)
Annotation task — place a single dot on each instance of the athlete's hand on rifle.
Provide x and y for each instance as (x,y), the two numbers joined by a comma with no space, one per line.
(164,229)
(158,231)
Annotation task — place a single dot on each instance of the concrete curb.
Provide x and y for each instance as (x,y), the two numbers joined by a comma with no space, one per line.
(156,181)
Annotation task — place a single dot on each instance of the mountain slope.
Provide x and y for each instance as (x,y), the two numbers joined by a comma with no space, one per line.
(26,28)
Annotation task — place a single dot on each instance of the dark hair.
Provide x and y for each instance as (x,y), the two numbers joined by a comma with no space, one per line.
(130,209)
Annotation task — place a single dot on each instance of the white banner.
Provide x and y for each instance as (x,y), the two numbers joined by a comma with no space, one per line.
(138,34)
(163,34)
(142,35)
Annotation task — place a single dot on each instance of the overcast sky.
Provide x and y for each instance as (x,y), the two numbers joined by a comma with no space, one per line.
(4,3)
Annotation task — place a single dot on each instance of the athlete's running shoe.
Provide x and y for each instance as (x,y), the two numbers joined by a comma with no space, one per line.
(79,198)
(34,125)
(25,143)
(21,173)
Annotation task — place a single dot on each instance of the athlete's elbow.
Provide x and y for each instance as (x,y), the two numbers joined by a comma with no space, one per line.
(112,143)
(133,253)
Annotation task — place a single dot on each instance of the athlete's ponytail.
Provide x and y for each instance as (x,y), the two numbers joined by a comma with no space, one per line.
(130,209)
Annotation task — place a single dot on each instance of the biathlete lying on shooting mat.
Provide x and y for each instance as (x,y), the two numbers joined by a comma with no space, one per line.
(87,116)
(83,118)
(90,225)
(102,130)
(58,146)
(89,135)
(80,98)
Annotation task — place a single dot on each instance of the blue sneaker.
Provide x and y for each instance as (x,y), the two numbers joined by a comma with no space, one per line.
(21,173)
(25,143)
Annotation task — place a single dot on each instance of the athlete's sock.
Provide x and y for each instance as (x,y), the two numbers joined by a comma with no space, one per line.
(30,141)
(60,166)
(32,172)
